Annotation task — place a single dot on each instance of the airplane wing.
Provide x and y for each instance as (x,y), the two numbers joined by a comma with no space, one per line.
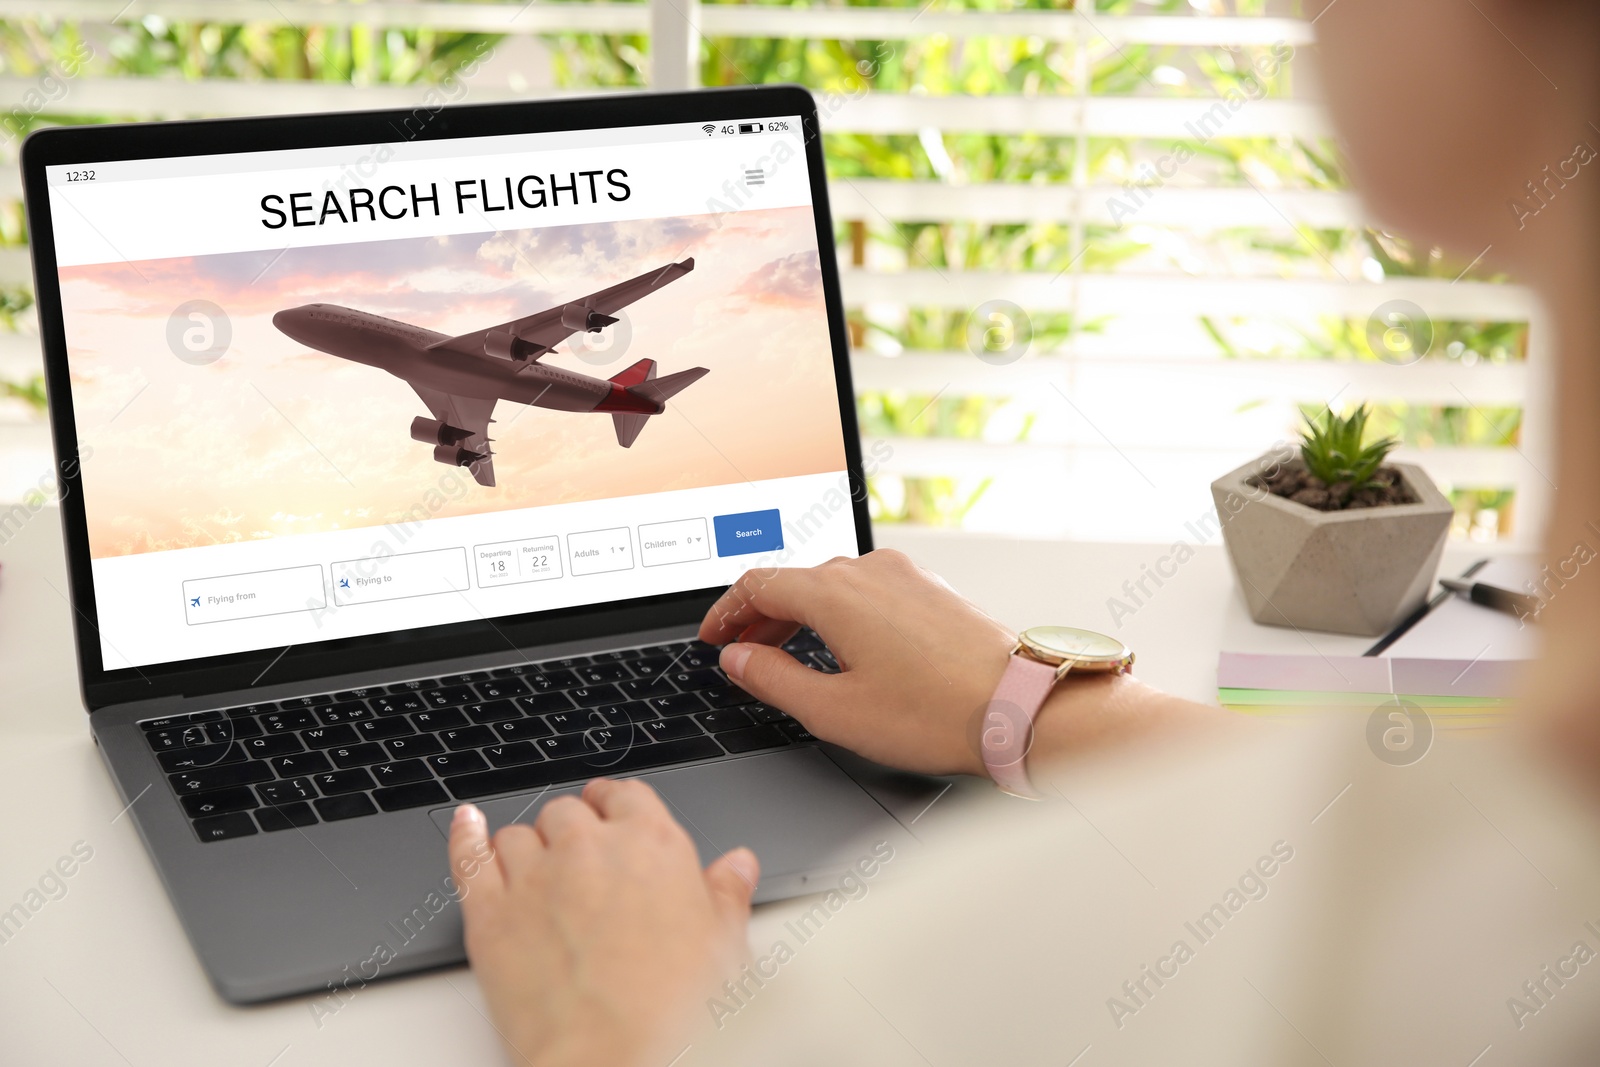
(469,413)
(533,335)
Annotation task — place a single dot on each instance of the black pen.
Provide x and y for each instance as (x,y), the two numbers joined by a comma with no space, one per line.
(1521,605)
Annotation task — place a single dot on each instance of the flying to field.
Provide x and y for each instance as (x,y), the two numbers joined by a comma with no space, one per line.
(462,378)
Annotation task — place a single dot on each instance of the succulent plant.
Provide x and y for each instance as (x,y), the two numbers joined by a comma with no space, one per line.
(1333,451)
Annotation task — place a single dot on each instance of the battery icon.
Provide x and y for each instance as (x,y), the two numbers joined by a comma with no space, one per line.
(750,127)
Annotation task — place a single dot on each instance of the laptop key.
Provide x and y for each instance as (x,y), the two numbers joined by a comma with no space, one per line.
(449,696)
(381,729)
(286,816)
(549,772)
(753,739)
(280,745)
(589,696)
(565,745)
(544,703)
(726,696)
(765,713)
(284,722)
(207,756)
(468,737)
(574,722)
(359,694)
(349,806)
(307,702)
(443,719)
(649,666)
(346,711)
(219,801)
(511,755)
(672,729)
(222,827)
(198,781)
(169,721)
(239,729)
(401,772)
(523,729)
(465,679)
(565,663)
(407,747)
(451,763)
(614,738)
(699,654)
(415,795)
(792,729)
(328,736)
(600,673)
(502,689)
(247,710)
(357,755)
(299,764)
(548,680)
(355,780)
(494,711)
(727,719)
(677,704)
(644,688)
(417,685)
(705,678)
(398,703)
(632,711)
(286,792)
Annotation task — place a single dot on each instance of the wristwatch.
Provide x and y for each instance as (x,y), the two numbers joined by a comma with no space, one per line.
(1042,657)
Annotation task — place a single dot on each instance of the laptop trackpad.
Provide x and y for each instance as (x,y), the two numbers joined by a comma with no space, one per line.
(803,816)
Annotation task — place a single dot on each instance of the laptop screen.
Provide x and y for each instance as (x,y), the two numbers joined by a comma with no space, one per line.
(330,392)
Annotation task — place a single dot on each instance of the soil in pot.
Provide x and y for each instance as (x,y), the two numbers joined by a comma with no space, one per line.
(1294,482)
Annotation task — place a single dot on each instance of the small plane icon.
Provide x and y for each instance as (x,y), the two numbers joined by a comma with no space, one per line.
(461,379)
(194,601)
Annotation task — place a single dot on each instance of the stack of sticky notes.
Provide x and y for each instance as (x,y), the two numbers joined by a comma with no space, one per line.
(1456,693)
(1460,662)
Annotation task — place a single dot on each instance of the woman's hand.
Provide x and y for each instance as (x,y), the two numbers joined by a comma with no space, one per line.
(919,661)
(594,932)
(920,665)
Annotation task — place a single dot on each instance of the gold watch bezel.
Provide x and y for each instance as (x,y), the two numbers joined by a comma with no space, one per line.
(1119,662)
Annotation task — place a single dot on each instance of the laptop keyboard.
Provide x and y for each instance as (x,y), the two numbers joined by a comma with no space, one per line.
(297,762)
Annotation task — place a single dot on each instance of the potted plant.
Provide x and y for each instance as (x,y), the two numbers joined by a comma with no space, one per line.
(1333,538)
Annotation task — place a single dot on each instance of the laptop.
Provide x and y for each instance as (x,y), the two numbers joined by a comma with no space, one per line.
(402,454)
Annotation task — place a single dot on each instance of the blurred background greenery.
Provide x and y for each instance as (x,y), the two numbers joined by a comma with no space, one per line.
(936,64)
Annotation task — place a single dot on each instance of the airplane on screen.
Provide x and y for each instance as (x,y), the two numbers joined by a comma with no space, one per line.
(461,378)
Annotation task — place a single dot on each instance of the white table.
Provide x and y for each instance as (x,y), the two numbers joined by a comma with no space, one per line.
(103,975)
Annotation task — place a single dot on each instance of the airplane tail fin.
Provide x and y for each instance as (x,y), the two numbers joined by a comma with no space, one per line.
(628,427)
(641,371)
(647,386)
(662,389)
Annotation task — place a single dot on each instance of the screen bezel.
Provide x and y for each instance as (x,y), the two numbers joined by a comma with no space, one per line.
(524,633)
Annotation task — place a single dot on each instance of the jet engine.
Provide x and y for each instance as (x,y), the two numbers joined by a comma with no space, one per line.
(456,457)
(510,346)
(434,432)
(578,317)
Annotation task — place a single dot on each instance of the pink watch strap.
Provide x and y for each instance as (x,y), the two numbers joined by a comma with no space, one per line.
(1007,732)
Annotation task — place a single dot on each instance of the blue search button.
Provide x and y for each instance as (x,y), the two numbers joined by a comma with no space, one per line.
(752,531)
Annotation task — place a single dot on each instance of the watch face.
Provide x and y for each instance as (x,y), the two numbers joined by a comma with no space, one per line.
(1060,643)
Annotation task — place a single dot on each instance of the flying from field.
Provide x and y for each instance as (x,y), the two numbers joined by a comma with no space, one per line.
(462,378)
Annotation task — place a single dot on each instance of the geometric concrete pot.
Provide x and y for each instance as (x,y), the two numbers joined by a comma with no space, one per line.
(1351,572)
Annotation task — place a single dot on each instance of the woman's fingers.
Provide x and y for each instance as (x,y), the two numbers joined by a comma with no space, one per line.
(627,798)
(732,881)
(803,597)
(473,862)
(777,678)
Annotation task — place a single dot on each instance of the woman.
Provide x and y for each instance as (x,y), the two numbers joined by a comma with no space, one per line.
(1205,893)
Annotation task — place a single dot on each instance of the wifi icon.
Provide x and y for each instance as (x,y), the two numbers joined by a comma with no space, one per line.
(709,129)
